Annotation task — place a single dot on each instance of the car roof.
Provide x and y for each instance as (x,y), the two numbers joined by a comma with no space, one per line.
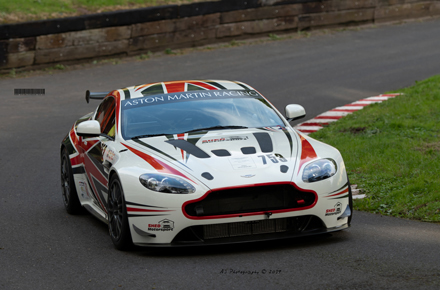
(160,88)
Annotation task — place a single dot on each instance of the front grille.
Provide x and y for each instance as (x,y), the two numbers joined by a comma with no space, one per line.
(251,199)
(244,228)
(253,230)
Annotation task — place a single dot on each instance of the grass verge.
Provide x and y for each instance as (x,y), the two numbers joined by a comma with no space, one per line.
(28,10)
(392,152)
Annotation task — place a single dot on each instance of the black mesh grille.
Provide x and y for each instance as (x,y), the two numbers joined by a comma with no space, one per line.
(247,231)
(244,228)
(251,199)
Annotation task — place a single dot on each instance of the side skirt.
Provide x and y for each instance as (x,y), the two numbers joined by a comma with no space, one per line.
(95,213)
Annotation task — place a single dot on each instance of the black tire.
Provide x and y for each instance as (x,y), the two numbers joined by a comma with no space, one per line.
(117,216)
(350,201)
(68,189)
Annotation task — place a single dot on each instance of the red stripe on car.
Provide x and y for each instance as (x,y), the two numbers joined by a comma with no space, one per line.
(307,152)
(175,87)
(203,85)
(157,164)
(339,193)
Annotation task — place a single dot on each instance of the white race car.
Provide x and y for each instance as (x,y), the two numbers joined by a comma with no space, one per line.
(200,162)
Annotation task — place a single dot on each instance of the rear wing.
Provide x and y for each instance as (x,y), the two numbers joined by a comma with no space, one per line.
(95,95)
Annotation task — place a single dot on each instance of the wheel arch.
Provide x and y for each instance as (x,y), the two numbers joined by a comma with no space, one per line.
(125,241)
(62,147)
(112,173)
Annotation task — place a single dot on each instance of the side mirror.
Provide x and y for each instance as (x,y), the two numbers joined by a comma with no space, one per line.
(90,128)
(295,112)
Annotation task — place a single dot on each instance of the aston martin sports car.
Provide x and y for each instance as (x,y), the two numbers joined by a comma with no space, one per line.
(194,162)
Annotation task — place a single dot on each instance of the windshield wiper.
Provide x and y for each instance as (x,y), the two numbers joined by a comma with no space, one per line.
(216,128)
(195,130)
(146,136)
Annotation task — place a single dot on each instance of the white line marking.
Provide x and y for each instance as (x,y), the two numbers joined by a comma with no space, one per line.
(308,128)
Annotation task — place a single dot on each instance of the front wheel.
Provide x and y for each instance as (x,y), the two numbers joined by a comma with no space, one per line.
(117,216)
(68,190)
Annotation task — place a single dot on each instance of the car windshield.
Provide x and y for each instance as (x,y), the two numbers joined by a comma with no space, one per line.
(196,111)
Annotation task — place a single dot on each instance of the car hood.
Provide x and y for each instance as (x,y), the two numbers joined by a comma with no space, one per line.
(226,158)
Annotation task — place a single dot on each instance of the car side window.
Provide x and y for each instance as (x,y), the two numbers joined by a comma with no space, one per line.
(106,116)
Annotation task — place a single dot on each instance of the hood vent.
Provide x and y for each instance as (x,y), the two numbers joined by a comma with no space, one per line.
(264,141)
(221,152)
(189,147)
(207,175)
(248,150)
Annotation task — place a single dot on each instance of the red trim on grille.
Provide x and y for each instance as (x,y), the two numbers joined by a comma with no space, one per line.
(250,213)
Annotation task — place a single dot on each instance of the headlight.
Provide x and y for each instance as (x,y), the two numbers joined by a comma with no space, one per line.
(319,170)
(166,184)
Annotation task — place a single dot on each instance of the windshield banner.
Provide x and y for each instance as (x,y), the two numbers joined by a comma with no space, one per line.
(187,96)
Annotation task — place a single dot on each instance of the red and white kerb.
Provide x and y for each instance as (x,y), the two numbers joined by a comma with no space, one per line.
(326,118)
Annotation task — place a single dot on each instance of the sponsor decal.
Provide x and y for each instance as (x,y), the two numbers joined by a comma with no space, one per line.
(83,189)
(165,225)
(187,96)
(242,162)
(110,155)
(225,139)
(336,210)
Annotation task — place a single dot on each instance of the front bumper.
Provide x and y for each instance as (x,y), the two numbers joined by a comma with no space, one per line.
(244,232)
(175,225)
(195,240)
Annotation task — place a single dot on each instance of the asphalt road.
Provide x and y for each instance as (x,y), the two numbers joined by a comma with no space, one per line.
(42,247)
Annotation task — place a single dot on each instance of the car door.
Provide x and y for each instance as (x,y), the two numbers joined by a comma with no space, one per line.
(93,151)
